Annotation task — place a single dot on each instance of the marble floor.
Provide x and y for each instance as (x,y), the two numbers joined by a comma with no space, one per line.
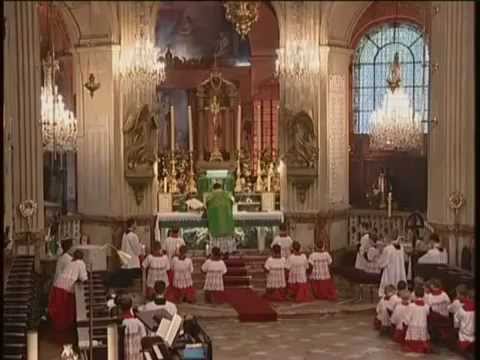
(340,336)
(322,337)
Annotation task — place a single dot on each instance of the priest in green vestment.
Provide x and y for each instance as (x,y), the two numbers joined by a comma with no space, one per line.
(220,220)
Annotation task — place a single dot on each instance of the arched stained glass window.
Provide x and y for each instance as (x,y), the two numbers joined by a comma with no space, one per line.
(373,56)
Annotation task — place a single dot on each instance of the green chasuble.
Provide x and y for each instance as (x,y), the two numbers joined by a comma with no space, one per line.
(220,214)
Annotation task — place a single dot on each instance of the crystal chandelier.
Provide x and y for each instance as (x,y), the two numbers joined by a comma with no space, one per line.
(242,14)
(300,56)
(141,63)
(59,126)
(395,126)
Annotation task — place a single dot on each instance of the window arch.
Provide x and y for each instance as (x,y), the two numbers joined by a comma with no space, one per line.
(372,59)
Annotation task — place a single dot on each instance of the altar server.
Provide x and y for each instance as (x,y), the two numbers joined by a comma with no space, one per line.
(400,315)
(384,310)
(461,292)
(436,255)
(131,245)
(61,307)
(276,289)
(323,286)
(283,240)
(438,300)
(159,301)
(134,331)
(182,268)
(156,264)
(173,243)
(214,268)
(373,256)
(464,320)
(417,338)
(363,246)
(297,266)
(393,264)
(64,259)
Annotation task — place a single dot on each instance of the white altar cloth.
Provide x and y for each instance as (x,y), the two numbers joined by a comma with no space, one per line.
(238,216)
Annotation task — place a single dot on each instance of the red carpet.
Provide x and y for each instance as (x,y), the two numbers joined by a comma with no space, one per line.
(249,305)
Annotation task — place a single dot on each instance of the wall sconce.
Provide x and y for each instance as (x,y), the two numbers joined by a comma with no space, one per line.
(435,67)
(91,85)
(436,10)
(434,121)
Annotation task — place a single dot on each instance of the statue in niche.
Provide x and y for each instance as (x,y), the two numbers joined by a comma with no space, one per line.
(303,151)
(140,131)
(160,110)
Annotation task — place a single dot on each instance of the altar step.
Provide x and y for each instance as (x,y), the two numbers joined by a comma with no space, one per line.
(242,271)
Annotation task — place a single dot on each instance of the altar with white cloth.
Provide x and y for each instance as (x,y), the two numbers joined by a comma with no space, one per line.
(190,220)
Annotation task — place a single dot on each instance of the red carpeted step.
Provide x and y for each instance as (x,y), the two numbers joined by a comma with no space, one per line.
(231,281)
(236,272)
(249,305)
(234,263)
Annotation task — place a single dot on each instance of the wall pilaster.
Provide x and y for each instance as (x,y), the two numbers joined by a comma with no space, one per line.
(451,162)
(22,110)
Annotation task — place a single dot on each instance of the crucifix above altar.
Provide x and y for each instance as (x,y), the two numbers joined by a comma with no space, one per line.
(219,117)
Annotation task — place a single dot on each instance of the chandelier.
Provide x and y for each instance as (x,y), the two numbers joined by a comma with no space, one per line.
(395,126)
(141,63)
(59,126)
(242,14)
(300,56)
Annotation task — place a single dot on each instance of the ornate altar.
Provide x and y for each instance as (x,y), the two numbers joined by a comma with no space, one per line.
(217,100)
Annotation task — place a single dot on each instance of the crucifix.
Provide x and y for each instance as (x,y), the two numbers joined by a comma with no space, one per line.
(215,108)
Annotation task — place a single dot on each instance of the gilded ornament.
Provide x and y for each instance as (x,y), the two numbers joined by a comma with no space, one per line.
(456,200)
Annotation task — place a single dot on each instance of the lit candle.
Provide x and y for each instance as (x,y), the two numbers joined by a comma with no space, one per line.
(269,181)
(389,204)
(172,129)
(259,131)
(165,184)
(190,129)
(239,121)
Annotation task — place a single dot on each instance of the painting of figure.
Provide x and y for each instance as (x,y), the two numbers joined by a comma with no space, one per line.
(194,30)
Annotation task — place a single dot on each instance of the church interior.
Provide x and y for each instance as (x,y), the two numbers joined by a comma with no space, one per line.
(282,174)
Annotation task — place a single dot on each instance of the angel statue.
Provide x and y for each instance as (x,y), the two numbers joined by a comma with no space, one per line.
(140,131)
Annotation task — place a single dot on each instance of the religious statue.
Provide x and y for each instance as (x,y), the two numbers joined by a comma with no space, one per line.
(215,108)
(395,76)
(303,151)
(140,139)
(160,110)
(140,149)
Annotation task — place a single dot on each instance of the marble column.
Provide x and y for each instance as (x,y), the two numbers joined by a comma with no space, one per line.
(22,109)
(338,95)
(451,161)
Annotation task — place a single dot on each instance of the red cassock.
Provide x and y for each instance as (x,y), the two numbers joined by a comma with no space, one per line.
(178,295)
(399,334)
(276,294)
(324,289)
(61,308)
(301,292)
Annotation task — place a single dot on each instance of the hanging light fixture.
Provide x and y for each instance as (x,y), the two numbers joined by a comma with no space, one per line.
(59,125)
(141,63)
(301,56)
(242,14)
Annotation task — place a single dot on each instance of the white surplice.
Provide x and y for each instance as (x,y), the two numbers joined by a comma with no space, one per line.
(62,263)
(437,255)
(360,261)
(393,262)
(132,246)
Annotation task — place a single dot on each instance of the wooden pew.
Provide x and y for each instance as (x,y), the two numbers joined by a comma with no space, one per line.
(19,293)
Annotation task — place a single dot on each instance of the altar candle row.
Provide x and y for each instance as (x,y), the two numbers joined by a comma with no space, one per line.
(190,128)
